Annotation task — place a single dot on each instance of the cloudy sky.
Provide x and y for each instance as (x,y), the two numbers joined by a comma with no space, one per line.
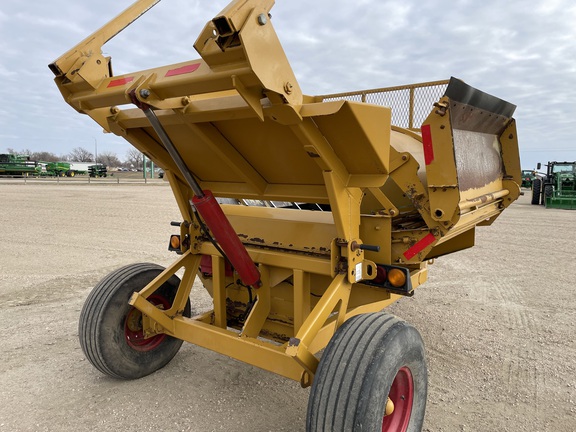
(523,51)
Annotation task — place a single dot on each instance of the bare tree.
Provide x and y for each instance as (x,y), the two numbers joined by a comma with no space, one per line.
(80,154)
(19,152)
(134,157)
(109,159)
(44,156)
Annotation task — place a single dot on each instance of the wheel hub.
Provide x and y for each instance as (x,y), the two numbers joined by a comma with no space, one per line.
(134,330)
(400,401)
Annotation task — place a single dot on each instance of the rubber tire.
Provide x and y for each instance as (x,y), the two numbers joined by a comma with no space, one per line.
(548,192)
(536,191)
(101,327)
(356,371)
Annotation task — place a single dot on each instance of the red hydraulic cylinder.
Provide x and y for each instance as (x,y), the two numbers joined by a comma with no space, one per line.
(227,238)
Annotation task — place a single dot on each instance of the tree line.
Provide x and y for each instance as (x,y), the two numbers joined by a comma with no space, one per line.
(133,157)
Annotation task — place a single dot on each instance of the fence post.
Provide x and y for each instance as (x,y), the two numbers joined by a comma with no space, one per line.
(411,108)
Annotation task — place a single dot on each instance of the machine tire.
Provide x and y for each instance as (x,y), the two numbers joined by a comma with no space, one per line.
(536,191)
(548,192)
(108,326)
(370,358)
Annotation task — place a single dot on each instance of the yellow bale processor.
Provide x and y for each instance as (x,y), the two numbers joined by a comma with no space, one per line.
(303,217)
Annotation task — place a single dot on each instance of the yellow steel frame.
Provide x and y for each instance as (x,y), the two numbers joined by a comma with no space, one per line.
(313,326)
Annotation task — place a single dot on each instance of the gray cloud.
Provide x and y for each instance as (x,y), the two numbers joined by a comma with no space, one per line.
(520,51)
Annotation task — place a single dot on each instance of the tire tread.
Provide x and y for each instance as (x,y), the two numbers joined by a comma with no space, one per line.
(345,372)
(95,308)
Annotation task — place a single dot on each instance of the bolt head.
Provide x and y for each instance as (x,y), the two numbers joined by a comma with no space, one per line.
(144,93)
(262,19)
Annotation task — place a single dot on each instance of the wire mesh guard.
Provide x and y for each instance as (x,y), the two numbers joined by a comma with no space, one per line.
(410,104)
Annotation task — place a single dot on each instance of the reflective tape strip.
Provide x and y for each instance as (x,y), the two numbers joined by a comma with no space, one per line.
(419,246)
(427,142)
(120,81)
(182,70)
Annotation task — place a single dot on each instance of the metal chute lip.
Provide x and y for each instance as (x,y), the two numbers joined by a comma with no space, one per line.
(459,91)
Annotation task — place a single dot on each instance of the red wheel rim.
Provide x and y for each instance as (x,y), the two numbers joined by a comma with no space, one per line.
(402,395)
(133,331)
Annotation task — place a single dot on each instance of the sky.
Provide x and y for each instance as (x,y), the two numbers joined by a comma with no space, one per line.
(522,51)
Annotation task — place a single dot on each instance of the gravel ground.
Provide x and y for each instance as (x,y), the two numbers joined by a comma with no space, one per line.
(498,321)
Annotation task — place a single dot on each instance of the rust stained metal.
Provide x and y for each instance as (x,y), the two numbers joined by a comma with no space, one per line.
(483,199)
(469,118)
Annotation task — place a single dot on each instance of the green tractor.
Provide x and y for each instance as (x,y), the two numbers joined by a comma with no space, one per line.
(528,177)
(557,188)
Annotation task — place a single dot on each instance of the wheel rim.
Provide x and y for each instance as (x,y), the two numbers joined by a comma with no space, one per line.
(133,329)
(402,395)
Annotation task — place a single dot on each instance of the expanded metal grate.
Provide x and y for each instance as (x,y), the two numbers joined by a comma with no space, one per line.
(410,104)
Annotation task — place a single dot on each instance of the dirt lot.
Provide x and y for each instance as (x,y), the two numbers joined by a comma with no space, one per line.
(498,321)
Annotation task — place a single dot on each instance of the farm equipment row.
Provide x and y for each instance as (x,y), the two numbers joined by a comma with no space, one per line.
(22,166)
(72,169)
(286,280)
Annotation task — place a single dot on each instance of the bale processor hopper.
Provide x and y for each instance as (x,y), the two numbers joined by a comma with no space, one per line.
(303,217)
